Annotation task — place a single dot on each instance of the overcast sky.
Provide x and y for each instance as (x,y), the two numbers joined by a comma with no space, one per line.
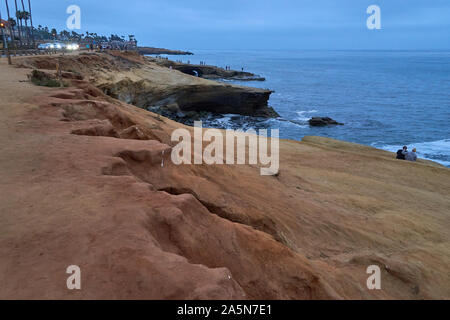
(259,24)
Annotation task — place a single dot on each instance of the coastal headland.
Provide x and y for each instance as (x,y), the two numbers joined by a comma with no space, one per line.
(139,81)
(152,50)
(207,71)
(87,180)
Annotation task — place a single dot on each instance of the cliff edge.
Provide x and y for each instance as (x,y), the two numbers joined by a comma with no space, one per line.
(87,181)
(136,80)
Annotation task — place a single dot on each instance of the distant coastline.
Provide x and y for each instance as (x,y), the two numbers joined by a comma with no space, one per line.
(151,50)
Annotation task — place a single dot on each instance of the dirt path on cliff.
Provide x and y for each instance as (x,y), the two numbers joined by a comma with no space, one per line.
(100,199)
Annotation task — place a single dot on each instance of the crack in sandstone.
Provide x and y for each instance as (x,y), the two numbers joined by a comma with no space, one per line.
(267,228)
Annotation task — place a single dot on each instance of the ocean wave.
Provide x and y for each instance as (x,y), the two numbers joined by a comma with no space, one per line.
(235,122)
(438,151)
(225,121)
(297,123)
(303,115)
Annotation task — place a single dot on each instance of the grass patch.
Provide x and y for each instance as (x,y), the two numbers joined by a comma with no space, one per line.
(43,79)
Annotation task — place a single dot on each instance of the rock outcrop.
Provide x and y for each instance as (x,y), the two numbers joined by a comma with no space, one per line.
(208,72)
(209,98)
(323,121)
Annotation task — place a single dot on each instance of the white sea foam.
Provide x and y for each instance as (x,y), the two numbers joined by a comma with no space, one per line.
(305,115)
(225,120)
(438,151)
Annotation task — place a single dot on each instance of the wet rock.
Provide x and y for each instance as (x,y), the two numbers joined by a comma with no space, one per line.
(323,121)
(173,107)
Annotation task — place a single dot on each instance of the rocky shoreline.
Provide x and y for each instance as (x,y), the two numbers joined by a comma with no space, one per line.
(208,72)
(151,50)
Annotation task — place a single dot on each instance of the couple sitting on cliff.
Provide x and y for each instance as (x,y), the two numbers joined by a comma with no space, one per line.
(404,154)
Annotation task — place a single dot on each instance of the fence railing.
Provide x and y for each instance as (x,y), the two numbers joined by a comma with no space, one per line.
(26,52)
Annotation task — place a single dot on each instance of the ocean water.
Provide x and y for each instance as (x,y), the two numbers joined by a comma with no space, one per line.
(386,99)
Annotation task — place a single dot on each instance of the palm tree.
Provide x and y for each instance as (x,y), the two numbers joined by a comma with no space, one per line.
(21,15)
(12,26)
(10,22)
(54,33)
(19,23)
(26,17)
(31,21)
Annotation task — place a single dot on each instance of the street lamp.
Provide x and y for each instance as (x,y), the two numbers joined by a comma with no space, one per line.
(5,42)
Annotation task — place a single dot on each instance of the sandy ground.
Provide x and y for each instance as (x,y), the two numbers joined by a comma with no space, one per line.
(141,231)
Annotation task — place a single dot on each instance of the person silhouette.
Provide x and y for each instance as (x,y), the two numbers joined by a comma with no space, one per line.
(401,154)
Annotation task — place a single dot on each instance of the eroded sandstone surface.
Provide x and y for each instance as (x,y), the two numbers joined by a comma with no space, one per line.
(87,180)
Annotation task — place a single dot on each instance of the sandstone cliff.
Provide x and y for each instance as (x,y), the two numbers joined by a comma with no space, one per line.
(136,80)
(84,182)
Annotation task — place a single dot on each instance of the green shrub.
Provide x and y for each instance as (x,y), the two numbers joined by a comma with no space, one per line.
(43,79)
